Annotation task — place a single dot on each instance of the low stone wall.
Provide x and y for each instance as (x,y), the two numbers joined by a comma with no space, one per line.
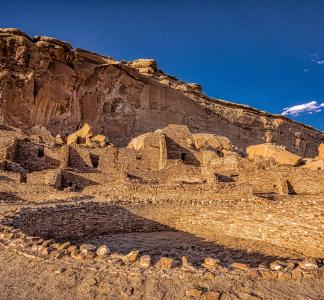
(31,233)
(302,182)
(274,224)
(36,157)
(48,177)
(75,222)
(263,223)
(8,148)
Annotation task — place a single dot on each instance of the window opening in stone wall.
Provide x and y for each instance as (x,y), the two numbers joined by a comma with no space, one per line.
(41,152)
(94,160)
(23,177)
(183,156)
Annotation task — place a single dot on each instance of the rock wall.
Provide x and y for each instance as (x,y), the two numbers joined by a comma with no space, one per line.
(44,82)
(274,224)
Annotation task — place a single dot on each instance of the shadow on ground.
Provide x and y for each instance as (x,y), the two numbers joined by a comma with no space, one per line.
(123,231)
(8,197)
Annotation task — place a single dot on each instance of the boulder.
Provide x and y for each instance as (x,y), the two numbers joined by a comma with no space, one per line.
(103,251)
(59,140)
(145,261)
(239,266)
(211,263)
(185,261)
(81,134)
(131,256)
(278,153)
(87,248)
(165,263)
(88,142)
(203,141)
(314,164)
(309,264)
(72,248)
(142,141)
(64,246)
(277,265)
(100,140)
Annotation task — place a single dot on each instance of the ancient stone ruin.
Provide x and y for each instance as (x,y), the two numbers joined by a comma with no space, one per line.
(119,169)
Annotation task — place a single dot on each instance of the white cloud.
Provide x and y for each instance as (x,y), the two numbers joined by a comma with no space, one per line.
(310,108)
(316,58)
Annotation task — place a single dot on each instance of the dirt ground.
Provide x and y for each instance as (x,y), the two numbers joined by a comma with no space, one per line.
(291,228)
(28,278)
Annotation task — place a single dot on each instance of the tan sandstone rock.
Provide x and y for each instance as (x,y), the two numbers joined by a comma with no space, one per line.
(60,88)
(87,248)
(321,151)
(100,140)
(59,140)
(282,186)
(210,295)
(79,136)
(314,164)
(145,66)
(103,251)
(4,32)
(151,148)
(309,264)
(54,41)
(211,263)
(131,256)
(203,141)
(240,266)
(193,293)
(278,153)
(145,261)
(165,263)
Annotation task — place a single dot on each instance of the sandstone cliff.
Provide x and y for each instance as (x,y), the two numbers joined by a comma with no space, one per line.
(44,81)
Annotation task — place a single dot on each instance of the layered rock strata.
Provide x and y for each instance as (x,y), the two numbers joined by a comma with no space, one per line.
(44,81)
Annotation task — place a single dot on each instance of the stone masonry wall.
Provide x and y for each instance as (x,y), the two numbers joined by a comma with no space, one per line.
(269,223)
(79,222)
(258,223)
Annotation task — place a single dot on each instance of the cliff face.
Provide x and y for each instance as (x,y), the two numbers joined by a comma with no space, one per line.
(43,81)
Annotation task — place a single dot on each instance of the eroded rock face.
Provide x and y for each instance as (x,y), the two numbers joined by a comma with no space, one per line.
(278,153)
(321,151)
(44,82)
(204,141)
(315,164)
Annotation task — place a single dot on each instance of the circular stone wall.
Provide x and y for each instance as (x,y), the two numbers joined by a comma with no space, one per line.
(78,222)
(221,229)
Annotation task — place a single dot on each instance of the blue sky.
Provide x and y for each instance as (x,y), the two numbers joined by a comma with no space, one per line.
(267,54)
